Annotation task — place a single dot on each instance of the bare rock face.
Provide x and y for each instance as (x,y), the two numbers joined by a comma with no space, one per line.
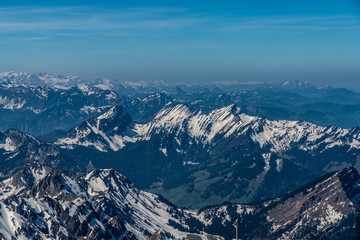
(315,208)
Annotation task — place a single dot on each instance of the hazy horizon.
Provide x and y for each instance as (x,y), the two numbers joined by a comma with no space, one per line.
(185,42)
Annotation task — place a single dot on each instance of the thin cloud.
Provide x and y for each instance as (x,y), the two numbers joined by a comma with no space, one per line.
(294,23)
(26,19)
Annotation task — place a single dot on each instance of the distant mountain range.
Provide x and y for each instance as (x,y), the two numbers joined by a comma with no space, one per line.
(40,110)
(128,88)
(38,94)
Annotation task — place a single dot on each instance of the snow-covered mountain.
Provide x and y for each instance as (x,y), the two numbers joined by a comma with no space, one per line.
(103,132)
(225,147)
(40,202)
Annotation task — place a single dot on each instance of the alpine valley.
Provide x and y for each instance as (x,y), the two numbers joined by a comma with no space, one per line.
(104,159)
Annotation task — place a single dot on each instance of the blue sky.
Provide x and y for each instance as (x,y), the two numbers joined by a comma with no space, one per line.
(185,41)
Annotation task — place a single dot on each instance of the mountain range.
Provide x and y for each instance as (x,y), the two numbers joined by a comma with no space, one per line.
(201,157)
(191,157)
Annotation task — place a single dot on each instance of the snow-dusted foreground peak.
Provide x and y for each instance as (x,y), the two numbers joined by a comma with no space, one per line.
(44,203)
(317,207)
(48,204)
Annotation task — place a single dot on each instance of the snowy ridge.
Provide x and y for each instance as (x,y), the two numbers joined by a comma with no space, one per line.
(203,128)
(276,136)
(229,121)
(282,135)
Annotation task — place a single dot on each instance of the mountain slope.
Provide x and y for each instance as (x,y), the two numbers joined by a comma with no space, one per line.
(324,209)
(103,133)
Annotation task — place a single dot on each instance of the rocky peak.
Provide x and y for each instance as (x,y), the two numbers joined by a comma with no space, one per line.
(16,139)
(113,121)
(159,98)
